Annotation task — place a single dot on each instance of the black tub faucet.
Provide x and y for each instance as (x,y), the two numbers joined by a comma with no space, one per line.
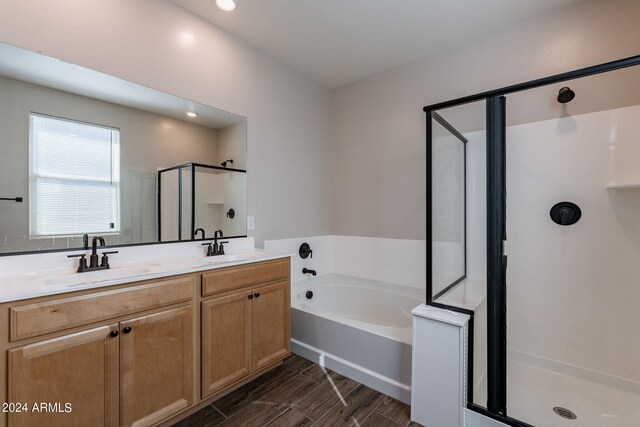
(308,271)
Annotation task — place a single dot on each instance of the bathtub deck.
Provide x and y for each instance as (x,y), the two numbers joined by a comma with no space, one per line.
(301,393)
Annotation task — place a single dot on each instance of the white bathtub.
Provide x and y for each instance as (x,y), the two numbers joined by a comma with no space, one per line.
(357,327)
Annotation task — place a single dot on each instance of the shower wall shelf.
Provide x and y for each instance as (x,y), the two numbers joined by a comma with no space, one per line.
(635,186)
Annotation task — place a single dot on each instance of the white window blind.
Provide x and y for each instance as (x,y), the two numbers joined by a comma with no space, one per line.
(74,179)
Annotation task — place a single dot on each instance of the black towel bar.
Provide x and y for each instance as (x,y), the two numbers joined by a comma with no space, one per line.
(13,199)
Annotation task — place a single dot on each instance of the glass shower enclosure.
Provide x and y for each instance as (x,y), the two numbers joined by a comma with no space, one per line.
(550,213)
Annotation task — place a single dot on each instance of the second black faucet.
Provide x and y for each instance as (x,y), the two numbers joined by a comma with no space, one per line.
(214,248)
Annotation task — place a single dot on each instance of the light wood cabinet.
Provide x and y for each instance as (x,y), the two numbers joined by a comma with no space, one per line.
(226,341)
(139,371)
(271,330)
(80,369)
(156,371)
(244,332)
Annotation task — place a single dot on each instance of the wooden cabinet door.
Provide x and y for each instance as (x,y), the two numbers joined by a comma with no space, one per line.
(80,369)
(156,366)
(271,324)
(226,341)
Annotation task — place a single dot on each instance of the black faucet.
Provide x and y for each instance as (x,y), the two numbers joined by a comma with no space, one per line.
(95,263)
(308,271)
(93,259)
(200,230)
(214,248)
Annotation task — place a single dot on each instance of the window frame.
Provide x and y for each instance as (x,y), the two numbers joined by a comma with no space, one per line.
(115,181)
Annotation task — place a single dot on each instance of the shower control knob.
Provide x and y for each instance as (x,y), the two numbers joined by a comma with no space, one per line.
(565,213)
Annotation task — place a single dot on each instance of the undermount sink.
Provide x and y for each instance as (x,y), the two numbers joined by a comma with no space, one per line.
(71,279)
(230,257)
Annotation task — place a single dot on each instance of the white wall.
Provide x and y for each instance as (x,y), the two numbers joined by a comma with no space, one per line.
(378,136)
(396,261)
(573,290)
(158,44)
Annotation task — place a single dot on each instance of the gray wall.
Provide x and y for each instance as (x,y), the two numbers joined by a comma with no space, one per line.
(378,136)
(158,44)
(147,141)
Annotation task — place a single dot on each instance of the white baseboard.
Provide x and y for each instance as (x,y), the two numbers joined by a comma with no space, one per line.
(388,386)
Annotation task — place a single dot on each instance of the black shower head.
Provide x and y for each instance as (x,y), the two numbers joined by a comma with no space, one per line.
(565,95)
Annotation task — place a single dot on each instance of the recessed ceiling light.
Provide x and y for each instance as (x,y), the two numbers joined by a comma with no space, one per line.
(226,5)
(192,114)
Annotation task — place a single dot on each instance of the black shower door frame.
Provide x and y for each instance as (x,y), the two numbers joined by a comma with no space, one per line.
(496,231)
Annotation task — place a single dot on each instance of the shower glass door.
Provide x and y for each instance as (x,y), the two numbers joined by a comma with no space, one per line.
(457,239)
(573,244)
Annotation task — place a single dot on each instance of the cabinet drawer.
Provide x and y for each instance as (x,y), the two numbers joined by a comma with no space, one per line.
(229,278)
(49,316)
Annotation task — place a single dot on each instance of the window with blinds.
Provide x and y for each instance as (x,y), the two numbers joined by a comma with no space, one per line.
(74,177)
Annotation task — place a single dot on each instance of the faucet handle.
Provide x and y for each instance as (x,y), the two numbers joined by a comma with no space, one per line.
(105,259)
(82,262)
(221,247)
(209,248)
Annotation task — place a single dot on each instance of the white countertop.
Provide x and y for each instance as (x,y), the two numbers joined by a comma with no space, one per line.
(36,283)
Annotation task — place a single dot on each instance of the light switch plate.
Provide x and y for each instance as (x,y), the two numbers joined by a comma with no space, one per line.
(250,223)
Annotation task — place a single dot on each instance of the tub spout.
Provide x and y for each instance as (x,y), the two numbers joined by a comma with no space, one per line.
(308,271)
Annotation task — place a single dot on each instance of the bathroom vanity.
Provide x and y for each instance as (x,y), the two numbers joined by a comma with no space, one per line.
(150,333)
(143,352)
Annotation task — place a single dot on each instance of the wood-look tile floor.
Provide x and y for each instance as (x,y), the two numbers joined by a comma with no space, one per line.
(301,393)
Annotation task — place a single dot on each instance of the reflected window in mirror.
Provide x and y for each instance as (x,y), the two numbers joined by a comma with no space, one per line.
(74,184)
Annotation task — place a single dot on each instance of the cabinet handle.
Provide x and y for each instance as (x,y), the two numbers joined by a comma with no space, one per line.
(257,294)
(126,329)
(250,296)
(114,334)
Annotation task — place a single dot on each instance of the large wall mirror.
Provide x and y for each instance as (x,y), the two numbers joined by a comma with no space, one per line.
(83,152)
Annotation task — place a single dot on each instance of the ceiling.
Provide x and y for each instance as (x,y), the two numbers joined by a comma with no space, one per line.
(336,42)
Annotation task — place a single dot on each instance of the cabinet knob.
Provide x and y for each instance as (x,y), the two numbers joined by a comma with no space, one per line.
(257,294)
(114,334)
(126,329)
(250,296)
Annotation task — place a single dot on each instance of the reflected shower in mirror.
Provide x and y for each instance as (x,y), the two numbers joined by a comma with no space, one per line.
(196,199)
(83,150)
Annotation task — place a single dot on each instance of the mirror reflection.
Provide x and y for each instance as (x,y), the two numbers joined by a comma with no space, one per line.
(196,199)
(84,152)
